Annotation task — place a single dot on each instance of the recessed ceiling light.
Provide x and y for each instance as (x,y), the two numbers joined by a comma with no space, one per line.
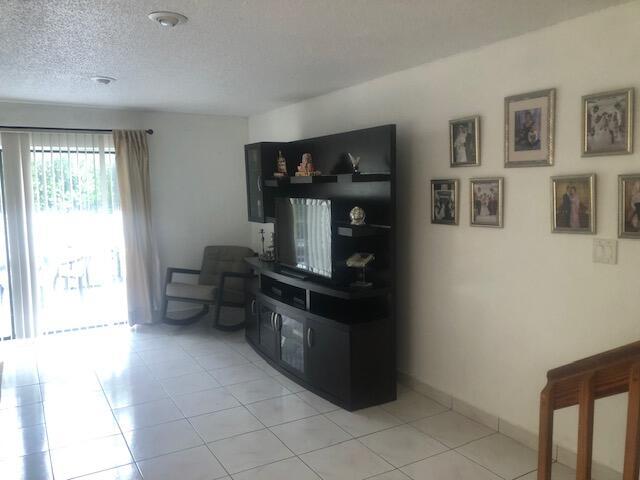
(101,80)
(167,19)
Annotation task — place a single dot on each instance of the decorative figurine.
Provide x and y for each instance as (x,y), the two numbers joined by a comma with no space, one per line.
(360,260)
(305,169)
(355,162)
(357,216)
(281,166)
(267,255)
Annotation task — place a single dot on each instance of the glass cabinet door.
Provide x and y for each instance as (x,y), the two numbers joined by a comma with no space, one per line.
(291,342)
(268,333)
(254,184)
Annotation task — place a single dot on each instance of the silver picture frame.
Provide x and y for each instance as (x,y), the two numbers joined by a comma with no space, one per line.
(589,128)
(563,215)
(475,161)
(475,208)
(522,156)
(626,200)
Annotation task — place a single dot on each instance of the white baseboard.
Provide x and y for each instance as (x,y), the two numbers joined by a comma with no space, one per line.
(520,434)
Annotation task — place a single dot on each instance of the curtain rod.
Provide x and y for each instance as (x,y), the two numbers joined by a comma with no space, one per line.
(74,130)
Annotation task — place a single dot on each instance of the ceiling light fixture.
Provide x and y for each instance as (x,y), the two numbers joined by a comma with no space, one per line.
(167,19)
(102,80)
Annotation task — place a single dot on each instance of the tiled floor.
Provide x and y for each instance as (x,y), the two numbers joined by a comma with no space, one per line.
(195,404)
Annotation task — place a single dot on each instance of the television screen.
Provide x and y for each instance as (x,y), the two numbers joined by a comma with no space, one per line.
(303,234)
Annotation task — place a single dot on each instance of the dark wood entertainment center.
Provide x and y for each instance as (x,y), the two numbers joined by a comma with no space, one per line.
(336,340)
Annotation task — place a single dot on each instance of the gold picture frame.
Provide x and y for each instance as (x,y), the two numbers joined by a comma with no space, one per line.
(445,206)
(607,123)
(570,211)
(529,129)
(629,198)
(464,151)
(486,201)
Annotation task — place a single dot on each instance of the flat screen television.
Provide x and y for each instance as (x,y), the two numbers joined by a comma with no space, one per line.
(303,235)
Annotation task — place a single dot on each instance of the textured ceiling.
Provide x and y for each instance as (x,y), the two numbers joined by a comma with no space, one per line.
(241,56)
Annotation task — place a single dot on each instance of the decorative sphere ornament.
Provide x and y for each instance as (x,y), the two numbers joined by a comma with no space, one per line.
(357,216)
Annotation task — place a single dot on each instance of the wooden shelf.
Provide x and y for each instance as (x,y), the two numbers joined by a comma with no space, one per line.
(340,178)
(314,179)
(276,181)
(363,177)
(347,230)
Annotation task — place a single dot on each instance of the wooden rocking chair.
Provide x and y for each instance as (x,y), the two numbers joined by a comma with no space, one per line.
(220,282)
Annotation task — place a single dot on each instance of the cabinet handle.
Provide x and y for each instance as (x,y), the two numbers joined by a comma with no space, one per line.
(253,307)
(259,183)
(278,322)
(273,323)
(309,337)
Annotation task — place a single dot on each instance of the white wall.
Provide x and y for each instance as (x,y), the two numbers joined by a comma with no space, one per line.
(196,165)
(484,313)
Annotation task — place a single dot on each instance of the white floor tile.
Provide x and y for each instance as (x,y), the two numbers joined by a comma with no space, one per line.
(363,422)
(205,401)
(126,472)
(20,417)
(349,460)
(452,429)
(449,465)
(290,385)
(281,409)
(192,464)
(291,468)
(175,368)
(249,450)
(254,391)
(147,414)
(394,475)
(17,442)
(221,359)
(124,396)
(558,472)
(319,403)
(161,439)
(90,457)
(13,397)
(308,434)
(194,382)
(403,445)
(237,374)
(502,455)
(225,423)
(411,406)
(36,466)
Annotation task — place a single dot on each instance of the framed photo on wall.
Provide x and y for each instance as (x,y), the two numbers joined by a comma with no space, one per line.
(487,202)
(573,205)
(529,123)
(464,141)
(629,206)
(444,201)
(607,123)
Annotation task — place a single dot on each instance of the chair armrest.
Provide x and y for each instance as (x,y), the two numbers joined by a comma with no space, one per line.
(172,270)
(223,277)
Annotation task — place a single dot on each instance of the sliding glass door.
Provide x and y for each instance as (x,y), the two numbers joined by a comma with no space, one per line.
(77,232)
(6,321)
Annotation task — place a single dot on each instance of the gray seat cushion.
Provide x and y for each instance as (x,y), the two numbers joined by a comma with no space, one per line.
(188,290)
(224,258)
(205,293)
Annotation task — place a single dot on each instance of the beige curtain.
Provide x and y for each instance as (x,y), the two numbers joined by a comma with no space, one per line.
(142,265)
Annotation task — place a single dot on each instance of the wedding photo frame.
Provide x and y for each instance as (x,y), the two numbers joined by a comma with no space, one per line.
(529,123)
(487,202)
(607,123)
(444,201)
(629,206)
(573,204)
(464,141)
